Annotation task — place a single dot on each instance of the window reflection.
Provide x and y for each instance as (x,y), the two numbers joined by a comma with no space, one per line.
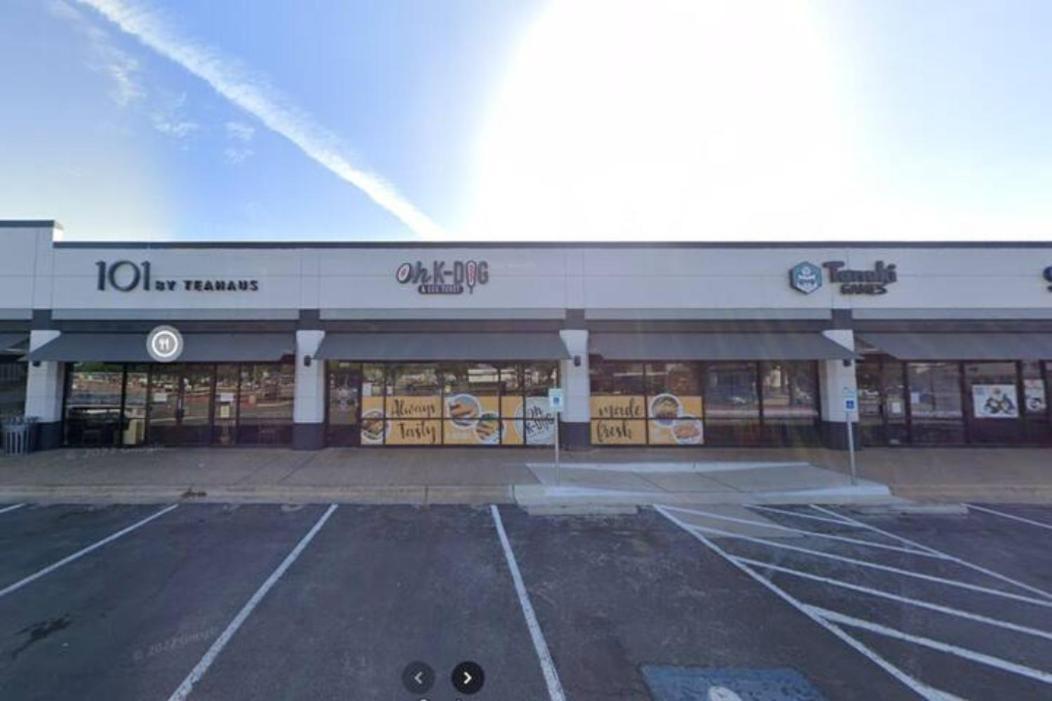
(265,408)
(12,387)
(136,385)
(93,404)
(935,402)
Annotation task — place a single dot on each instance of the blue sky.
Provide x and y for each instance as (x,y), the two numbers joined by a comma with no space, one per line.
(528,119)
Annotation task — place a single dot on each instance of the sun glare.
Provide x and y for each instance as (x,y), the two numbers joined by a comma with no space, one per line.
(666,119)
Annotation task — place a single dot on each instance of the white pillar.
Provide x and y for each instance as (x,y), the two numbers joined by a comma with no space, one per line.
(45,384)
(837,377)
(577,390)
(308,409)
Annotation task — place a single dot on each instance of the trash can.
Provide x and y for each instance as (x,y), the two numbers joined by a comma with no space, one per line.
(19,435)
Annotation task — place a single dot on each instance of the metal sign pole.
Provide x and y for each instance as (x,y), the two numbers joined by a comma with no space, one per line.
(557,466)
(555,403)
(851,446)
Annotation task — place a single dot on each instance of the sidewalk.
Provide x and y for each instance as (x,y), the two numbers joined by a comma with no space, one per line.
(477,476)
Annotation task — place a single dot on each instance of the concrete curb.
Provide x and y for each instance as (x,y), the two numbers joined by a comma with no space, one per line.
(536,496)
(665,468)
(1003,493)
(381,494)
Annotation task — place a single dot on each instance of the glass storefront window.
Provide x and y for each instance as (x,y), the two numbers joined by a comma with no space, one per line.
(1035,394)
(935,402)
(867,376)
(513,430)
(732,403)
(790,390)
(730,391)
(993,403)
(1038,425)
(790,401)
(538,420)
(266,403)
(226,404)
(454,403)
(135,388)
(618,379)
(93,404)
(373,426)
(471,404)
(618,404)
(695,403)
(413,405)
(12,387)
(673,404)
(343,394)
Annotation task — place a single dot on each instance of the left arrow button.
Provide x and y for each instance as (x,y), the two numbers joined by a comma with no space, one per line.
(418,677)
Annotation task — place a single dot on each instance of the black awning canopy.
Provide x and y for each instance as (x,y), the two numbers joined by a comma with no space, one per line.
(962,346)
(11,342)
(716,346)
(199,347)
(442,346)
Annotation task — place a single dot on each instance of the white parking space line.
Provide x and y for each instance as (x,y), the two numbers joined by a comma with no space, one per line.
(897,597)
(797,514)
(952,558)
(551,676)
(217,647)
(876,566)
(11,508)
(1039,524)
(848,521)
(828,536)
(964,653)
(81,553)
(919,687)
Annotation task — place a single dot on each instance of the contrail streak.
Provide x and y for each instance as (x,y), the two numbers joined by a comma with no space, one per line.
(251,94)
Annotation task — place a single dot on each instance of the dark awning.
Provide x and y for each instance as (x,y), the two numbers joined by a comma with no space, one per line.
(716,346)
(11,341)
(962,346)
(442,346)
(200,347)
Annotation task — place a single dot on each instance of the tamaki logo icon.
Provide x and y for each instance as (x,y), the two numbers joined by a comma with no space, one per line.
(805,277)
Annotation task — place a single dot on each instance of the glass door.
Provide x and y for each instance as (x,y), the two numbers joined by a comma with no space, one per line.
(162,421)
(344,404)
(180,405)
(195,411)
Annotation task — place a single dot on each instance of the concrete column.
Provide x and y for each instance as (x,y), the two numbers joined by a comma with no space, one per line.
(836,376)
(45,384)
(574,432)
(308,410)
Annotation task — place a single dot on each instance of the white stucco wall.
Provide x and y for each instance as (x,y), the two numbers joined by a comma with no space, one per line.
(36,274)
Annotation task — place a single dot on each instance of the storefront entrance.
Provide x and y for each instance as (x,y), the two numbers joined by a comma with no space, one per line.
(189,404)
(953,402)
(344,406)
(180,410)
(482,404)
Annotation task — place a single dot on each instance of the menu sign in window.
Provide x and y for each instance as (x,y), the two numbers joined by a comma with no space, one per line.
(618,420)
(663,419)
(457,419)
(675,420)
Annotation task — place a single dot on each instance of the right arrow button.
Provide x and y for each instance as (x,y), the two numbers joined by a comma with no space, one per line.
(468,678)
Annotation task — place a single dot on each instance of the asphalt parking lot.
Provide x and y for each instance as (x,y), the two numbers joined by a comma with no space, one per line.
(673,604)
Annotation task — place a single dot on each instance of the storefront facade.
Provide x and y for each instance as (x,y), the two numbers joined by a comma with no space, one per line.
(385,345)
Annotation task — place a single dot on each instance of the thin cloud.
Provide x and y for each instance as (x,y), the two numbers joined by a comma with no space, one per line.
(253,95)
(235,156)
(106,58)
(240,131)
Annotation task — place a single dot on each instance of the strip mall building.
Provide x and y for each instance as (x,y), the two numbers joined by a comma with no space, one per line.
(393,344)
